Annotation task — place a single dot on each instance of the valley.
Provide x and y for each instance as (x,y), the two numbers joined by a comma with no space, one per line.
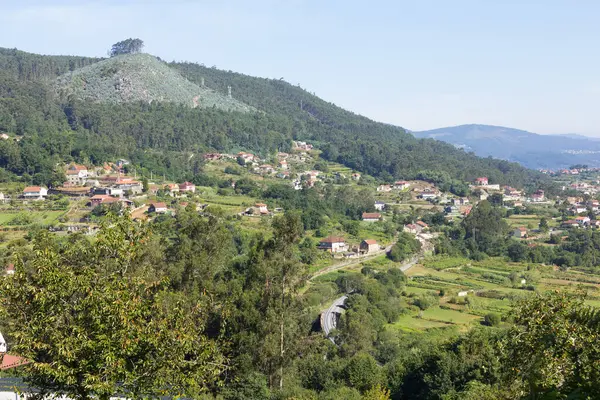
(171,228)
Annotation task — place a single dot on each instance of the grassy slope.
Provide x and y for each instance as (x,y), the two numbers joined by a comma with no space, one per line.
(139,77)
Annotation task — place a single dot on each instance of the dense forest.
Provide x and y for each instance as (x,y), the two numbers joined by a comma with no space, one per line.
(100,132)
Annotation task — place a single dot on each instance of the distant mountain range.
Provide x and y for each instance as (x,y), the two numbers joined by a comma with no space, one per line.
(529,149)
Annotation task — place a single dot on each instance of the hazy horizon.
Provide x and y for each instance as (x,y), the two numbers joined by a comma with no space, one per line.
(523,65)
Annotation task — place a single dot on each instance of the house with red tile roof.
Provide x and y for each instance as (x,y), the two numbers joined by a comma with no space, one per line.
(35,192)
(333,244)
(158,208)
(483,181)
(371,217)
(368,246)
(187,187)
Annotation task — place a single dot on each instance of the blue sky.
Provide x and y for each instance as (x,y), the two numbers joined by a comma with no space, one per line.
(423,64)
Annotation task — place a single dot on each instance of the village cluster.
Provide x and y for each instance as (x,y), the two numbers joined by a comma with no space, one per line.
(301,168)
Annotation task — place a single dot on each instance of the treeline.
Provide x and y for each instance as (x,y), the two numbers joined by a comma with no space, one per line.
(28,107)
(484,232)
(29,67)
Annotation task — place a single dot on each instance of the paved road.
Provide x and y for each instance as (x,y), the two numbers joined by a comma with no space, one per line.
(329,317)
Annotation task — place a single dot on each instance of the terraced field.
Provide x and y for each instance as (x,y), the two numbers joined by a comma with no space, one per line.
(465,290)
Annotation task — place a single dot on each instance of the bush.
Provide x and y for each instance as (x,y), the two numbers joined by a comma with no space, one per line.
(492,319)
(425,301)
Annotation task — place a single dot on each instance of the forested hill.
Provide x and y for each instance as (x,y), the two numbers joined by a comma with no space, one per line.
(157,135)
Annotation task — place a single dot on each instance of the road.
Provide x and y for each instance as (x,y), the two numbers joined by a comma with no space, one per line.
(329,317)
(351,261)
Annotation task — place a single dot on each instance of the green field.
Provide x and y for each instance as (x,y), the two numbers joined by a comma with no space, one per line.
(488,287)
(37,217)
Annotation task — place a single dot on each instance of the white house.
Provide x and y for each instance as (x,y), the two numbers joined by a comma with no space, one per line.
(379,205)
(35,192)
(262,208)
(77,174)
(483,181)
(333,244)
(428,195)
(187,187)
(401,185)
(384,188)
(158,208)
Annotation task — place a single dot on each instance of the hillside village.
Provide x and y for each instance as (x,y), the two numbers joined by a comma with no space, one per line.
(91,191)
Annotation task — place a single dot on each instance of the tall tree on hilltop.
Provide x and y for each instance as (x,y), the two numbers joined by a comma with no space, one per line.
(127,46)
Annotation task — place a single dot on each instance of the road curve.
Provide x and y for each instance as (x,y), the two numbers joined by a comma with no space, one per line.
(329,317)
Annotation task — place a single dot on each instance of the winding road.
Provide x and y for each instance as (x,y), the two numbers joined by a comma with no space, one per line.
(330,316)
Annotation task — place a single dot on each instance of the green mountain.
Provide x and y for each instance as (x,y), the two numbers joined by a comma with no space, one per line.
(160,135)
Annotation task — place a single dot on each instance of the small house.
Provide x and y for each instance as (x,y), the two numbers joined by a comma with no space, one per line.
(384,188)
(538,196)
(158,208)
(483,181)
(570,224)
(356,176)
(401,185)
(99,199)
(428,195)
(582,220)
(520,232)
(412,228)
(10,269)
(460,201)
(261,208)
(422,224)
(368,246)
(379,205)
(172,187)
(77,174)
(371,217)
(187,187)
(35,192)
(333,244)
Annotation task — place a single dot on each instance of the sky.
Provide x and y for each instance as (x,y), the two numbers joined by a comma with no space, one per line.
(423,64)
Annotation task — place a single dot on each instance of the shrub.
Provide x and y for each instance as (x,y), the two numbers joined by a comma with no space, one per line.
(425,301)
(492,319)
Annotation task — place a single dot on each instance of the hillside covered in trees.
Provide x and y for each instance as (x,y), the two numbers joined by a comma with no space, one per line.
(155,135)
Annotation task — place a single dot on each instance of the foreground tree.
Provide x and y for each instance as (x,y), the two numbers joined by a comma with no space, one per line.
(92,326)
(552,352)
